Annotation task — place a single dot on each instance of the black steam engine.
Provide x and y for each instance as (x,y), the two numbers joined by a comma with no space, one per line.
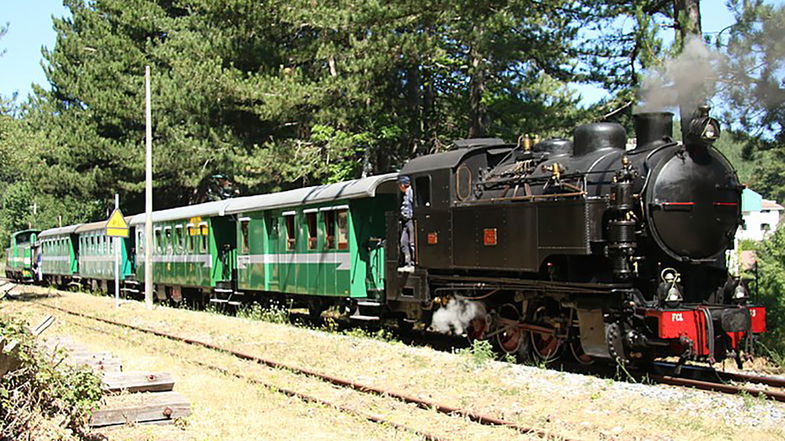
(582,246)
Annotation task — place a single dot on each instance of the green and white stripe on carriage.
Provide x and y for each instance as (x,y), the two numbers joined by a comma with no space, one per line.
(96,253)
(59,251)
(192,246)
(320,241)
(19,254)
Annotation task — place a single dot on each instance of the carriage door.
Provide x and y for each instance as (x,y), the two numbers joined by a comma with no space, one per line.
(272,251)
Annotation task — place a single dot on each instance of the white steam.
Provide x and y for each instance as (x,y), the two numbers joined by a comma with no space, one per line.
(456,315)
(686,81)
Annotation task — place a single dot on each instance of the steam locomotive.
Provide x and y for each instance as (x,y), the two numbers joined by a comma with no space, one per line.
(583,246)
(566,247)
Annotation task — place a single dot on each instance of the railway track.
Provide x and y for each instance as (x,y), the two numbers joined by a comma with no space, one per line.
(703,378)
(428,405)
(710,379)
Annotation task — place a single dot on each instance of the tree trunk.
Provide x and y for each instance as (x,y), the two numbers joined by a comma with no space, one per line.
(478,113)
(414,103)
(688,18)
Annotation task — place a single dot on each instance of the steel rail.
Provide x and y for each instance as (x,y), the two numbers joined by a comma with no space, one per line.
(752,378)
(740,377)
(292,393)
(717,387)
(425,404)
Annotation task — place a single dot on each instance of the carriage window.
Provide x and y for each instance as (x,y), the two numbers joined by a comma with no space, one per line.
(203,238)
(311,217)
(140,240)
(329,228)
(157,240)
(422,191)
(190,239)
(178,237)
(244,223)
(290,236)
(203,244)
(343,229)
(168,237)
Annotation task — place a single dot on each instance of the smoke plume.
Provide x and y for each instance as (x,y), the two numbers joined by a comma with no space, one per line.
(686,81)
(456,315)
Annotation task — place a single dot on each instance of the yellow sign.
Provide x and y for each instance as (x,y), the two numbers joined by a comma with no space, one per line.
(116,226)
(193,229)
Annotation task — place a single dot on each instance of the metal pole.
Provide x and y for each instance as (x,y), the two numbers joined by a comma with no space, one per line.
(116,258)
(148,191)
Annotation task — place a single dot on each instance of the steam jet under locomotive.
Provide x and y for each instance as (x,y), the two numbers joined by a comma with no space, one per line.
(583,246)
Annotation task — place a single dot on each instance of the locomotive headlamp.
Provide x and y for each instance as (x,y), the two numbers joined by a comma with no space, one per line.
(702,127)
(711,130)
(674,295)
(669,288)
(740,293)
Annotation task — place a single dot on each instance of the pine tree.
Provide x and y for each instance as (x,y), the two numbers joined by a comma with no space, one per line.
(754,88)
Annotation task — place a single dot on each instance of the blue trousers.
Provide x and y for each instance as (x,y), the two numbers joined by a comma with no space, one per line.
(407,242)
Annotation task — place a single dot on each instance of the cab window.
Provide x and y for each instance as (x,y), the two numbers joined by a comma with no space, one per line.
(422,191)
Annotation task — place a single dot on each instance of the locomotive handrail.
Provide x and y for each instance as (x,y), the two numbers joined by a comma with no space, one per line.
(536,285)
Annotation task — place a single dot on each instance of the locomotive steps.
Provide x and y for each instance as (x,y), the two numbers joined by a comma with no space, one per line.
(567,405)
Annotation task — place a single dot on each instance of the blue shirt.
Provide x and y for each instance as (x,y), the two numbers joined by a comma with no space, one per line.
(407,204)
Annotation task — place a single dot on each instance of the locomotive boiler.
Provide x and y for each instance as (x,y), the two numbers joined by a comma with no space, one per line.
(582,246)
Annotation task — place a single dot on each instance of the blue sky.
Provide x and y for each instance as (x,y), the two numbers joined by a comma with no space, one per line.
(30,29)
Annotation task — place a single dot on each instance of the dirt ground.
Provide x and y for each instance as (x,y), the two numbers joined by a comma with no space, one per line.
(226,407)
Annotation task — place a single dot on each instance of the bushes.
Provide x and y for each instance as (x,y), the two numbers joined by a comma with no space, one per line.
(39,401)
(771,273)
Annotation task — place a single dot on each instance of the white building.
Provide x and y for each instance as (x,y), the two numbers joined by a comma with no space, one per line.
(761,216)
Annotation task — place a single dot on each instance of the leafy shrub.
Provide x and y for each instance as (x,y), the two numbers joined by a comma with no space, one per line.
(39,400)
(771,283)
(479,353)
(274,313)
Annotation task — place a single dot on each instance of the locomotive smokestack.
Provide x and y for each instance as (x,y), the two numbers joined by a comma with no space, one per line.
(653,126)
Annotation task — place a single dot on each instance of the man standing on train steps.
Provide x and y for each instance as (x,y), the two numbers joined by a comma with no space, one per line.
(407,225)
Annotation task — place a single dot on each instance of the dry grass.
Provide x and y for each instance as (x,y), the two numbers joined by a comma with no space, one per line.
(229,408)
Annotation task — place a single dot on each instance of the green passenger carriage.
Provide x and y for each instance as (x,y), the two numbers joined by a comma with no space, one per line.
(324,241)
(21,254)
(96,256)
(193,249)
(59,249)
